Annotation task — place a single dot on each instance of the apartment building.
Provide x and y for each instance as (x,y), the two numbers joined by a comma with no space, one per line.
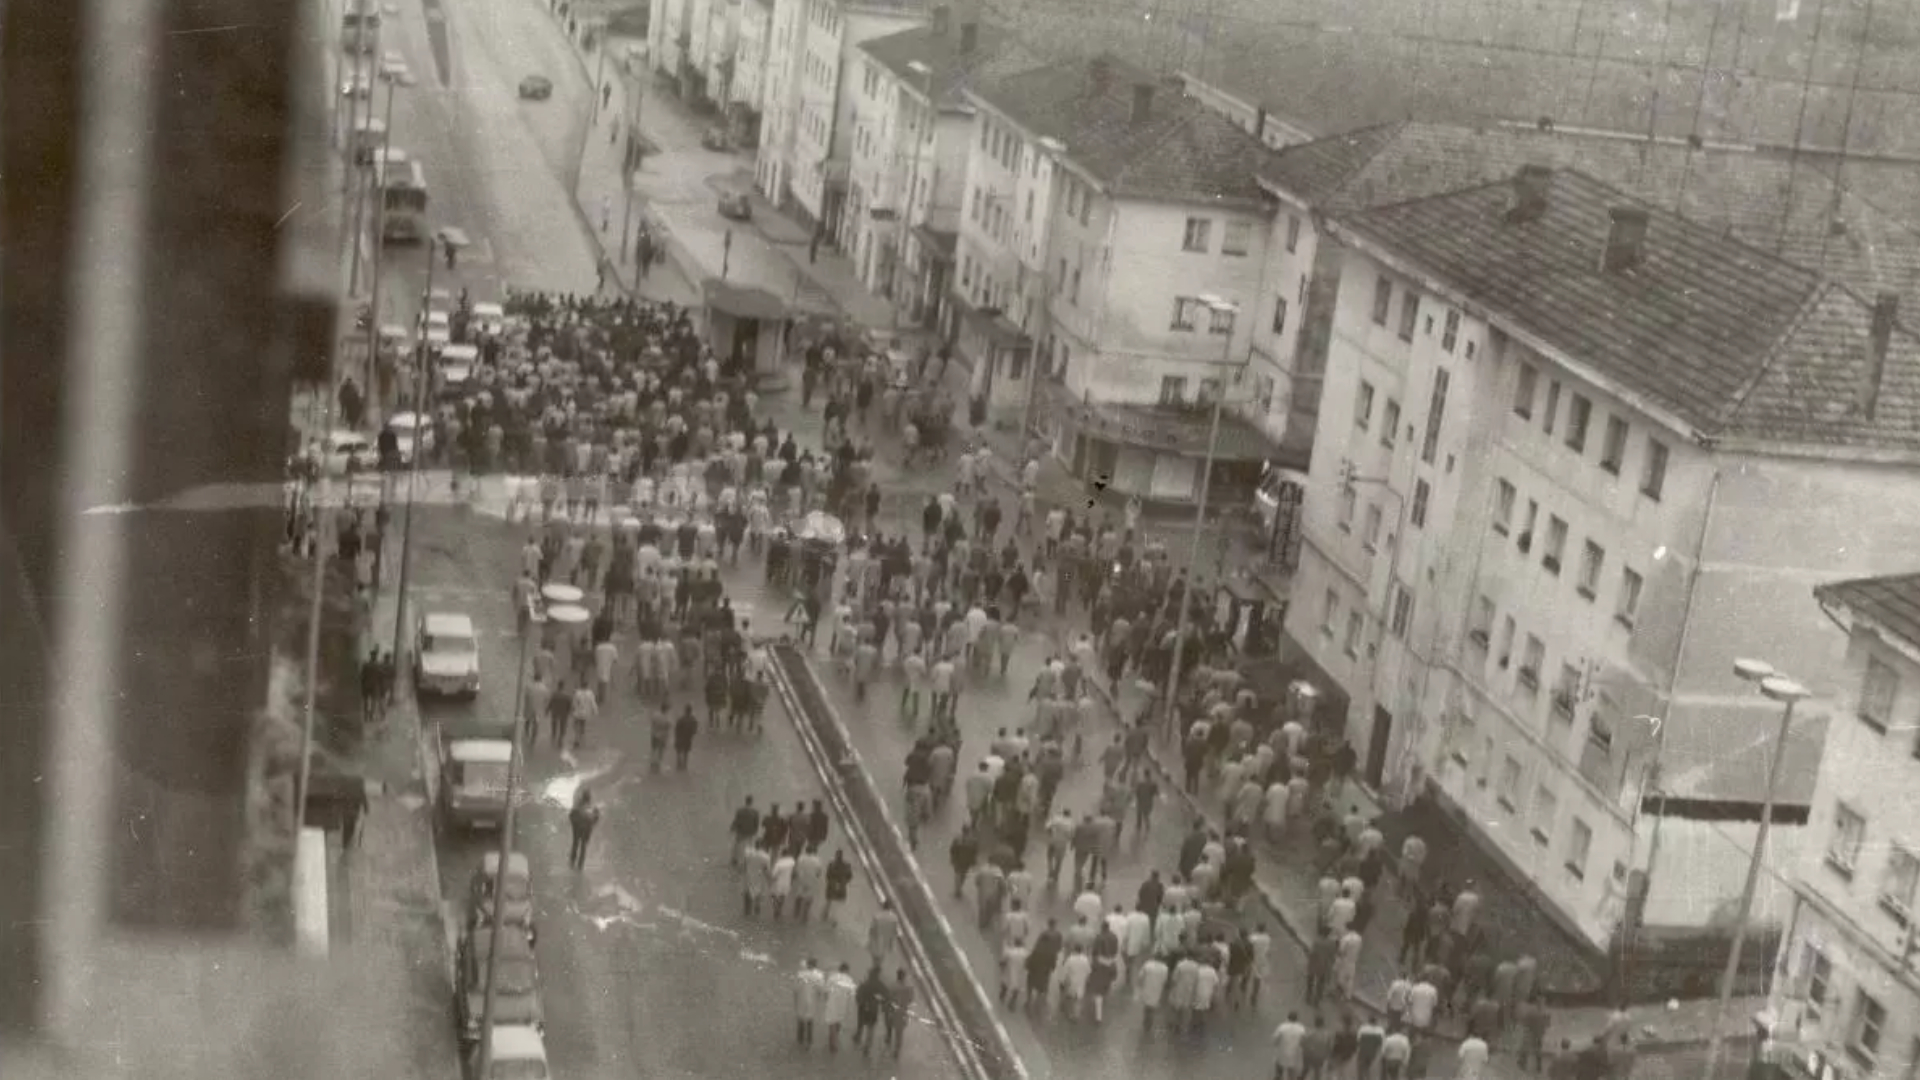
(1556,487)
(1846,998)
(824,96)
(670,37)
(780,119)
(717,60)
(747,103)
(911,140)
(1102,210)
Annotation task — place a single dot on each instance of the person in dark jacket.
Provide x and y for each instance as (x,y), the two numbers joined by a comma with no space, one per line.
(868,1000)
(583,817)
(839,876)
(684,729)
(962,854)
(817,825)
(898,1004)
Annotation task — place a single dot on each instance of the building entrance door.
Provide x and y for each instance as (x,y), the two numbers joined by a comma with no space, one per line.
(1377,746)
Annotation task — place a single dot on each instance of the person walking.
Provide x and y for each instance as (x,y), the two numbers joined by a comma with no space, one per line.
(582,818)
(898,1007)
(684,729)
(961,855)
(809,996)
(586,709)
(839,876)
(355,819)
(1289,1042)
(746,823)
(809,874)
(780,885)
(868,999)
(1150,988)
(758,878)
(882,932)
(841,990)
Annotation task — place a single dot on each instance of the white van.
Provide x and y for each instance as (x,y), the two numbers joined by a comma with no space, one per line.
(519,1053)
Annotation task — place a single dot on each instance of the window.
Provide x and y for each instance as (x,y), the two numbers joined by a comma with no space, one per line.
(1504,494)
(1061,281)
(1389,423)
(1628,606)
(1293,232)
(1073,198)
(1566,690)
(1868,1020)
(1237,238)
(1546,806)
(1086,206)
(1418,513)
(1816,977)
(1363,406)
(1578,846)
(1347,502)
(1382,298)
(1452,332)
(1029,208)
(1220,322)
(1075,295)
(1370,537)
(1198,235)
(1508,628)
(1173,389)
(974,212)
(1579,415)
(1525,542)
(1614,450)
(1556,544)
(1356,624)
(1877,689)
(1436,413)
(1482,629)
(1849,831)
(1552,411)
(1592,558)
(1508,792)
(1526,387)
(1653,478)
(1280,315)
(1531,662)
(1402,609)
(1897,886)
(1330,609)
(1409,314)
(1185,308)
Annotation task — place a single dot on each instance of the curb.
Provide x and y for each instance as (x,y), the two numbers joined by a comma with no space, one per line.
(956,1036)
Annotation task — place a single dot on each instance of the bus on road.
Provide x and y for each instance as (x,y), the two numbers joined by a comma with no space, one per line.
(403,201)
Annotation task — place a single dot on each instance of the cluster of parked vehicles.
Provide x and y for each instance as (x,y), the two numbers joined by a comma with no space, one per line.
(519,1022)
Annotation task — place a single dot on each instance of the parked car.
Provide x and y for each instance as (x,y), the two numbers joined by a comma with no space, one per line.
(735,206)
(536,88)
(410,431)
(446,655)
(346,451)
(519,1053)
(516,997)
(517,893)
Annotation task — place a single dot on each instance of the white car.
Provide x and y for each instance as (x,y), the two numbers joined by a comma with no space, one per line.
(343,448)
(489,319)
(519,1053)
(392,64)
(446,655)
(359,84)
(411,430)
(457,364)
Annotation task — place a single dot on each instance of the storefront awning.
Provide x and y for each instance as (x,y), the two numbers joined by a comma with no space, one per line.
(741,301)
(1181,430)
(992,322)
(937,243)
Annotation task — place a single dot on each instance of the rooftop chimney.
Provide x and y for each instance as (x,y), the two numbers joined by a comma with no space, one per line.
(942,21)
(1099,75)
(1142,102)
(1530,183)
(1626,239)
(1886,310)
(969,36)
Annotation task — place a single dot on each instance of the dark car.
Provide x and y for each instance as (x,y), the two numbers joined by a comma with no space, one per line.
(536,88)
(735,206)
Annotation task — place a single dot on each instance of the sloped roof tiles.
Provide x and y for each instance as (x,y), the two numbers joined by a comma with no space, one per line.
(995,52)
(1892,602)
(1182,152)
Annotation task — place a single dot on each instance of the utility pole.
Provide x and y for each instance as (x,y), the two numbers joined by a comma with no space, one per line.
(1216,308)
(380,227)
(413,465)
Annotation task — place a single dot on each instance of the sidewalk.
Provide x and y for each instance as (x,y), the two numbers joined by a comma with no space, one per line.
(384,894)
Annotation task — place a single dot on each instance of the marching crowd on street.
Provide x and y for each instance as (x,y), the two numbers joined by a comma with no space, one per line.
(618,404)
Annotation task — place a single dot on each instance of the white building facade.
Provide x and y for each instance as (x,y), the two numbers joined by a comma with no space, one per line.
(1517,543)
(1847,994)
(773,167)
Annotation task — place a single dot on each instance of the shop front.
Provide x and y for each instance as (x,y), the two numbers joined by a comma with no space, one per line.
(930,261)
(999,354)
(1158,454)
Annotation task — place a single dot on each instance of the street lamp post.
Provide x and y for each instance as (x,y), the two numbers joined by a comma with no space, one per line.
(413,465)
(1787,692)
(1218,309)
(535,619)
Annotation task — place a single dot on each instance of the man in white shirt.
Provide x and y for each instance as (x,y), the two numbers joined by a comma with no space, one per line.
(1472,1062)
(1395,1051)
(1288,1040)
(1420,1005)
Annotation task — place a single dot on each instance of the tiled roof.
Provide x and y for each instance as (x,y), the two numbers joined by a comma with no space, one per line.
(1769,201)
(1183,152)
(995,53)
(1735,341)
(1333,65)
(1891,602)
